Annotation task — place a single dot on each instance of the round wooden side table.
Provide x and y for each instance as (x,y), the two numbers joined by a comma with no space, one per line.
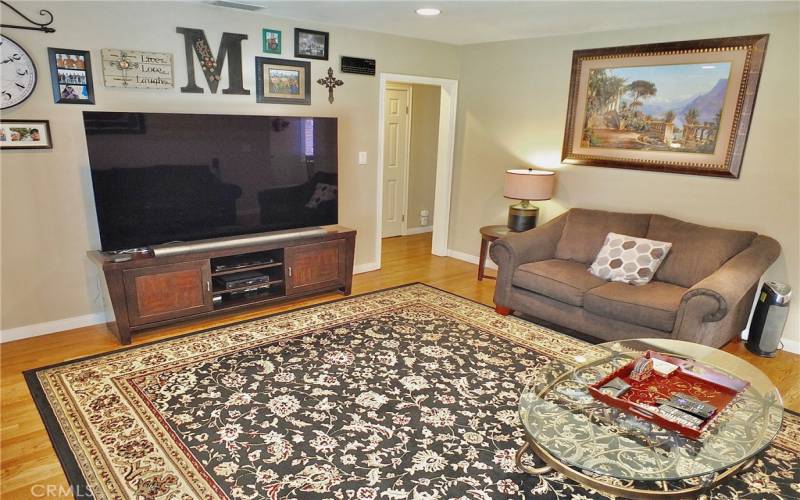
(488,235)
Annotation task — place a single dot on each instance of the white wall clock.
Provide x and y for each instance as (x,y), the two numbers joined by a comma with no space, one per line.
(17,72)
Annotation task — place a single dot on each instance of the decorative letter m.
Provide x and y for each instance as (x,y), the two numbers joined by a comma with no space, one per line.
(231,45)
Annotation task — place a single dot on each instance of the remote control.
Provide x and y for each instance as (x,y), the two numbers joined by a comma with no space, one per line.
(691,405)
(681,417)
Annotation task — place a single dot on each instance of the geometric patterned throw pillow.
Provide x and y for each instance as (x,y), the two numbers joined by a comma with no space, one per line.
(628,259)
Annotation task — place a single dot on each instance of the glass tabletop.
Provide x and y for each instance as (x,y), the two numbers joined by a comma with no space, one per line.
(562,417)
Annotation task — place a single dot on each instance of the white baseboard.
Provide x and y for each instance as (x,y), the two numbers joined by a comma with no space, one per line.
(472,259)
(791,346)
(419,230)
(365,268)
(59,325)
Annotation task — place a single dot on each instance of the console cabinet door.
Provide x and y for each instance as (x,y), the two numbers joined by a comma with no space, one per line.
(315,266)
(170,291)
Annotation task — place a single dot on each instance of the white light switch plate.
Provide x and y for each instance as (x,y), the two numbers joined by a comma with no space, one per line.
(362,158)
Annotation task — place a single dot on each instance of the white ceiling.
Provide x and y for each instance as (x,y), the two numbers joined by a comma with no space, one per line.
(465,22)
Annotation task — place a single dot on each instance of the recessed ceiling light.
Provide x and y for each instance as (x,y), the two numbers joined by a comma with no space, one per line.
(428,11)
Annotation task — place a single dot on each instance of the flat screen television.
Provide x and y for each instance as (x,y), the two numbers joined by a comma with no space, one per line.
(163,177)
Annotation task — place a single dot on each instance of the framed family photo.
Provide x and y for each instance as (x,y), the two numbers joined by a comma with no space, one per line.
(310,44)
(283,81)
(71,76)
(25,134)
(682,107)
(272,41)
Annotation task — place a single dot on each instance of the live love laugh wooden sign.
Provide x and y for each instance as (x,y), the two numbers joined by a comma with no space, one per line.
(137,70)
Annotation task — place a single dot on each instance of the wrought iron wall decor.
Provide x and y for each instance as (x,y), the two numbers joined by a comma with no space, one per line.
(331,83)
(45,27)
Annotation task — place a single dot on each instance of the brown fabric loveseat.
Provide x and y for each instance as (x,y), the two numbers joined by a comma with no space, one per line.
(702,292)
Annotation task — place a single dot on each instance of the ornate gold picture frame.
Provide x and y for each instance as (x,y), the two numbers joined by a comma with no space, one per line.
(681,107)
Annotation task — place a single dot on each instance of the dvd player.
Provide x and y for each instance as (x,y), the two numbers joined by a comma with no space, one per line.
(245,278)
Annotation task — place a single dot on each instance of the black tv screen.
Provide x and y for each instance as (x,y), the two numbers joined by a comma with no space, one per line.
(162,177)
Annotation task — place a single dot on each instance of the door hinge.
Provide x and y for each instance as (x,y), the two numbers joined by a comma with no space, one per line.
(403,218)
(406,109)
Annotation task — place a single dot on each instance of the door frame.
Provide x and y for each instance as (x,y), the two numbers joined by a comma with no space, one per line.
(407,87)
(448,103)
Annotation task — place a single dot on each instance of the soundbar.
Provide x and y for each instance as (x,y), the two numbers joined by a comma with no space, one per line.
(168,249)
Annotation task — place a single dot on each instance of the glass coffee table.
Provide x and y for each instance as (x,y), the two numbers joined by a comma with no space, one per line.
(609,450)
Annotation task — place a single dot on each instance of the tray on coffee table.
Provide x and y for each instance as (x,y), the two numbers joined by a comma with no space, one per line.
(711,386)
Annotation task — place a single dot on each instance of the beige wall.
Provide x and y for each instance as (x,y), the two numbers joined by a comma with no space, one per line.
(423,149)
(48,220)
(512,106)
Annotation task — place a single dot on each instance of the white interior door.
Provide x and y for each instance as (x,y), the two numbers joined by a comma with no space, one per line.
(395,158)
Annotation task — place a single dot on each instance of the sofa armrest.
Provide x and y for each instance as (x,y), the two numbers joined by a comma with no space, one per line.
(713,297)
(518,248)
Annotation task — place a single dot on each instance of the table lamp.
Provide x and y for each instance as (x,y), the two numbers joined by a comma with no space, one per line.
(526,186)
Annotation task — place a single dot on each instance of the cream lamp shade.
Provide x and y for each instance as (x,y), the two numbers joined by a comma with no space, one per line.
(529,184)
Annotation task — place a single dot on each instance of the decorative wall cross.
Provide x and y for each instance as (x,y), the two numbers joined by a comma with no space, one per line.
(331,82)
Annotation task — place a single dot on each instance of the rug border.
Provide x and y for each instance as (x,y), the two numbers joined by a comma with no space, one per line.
(58,441)
(79,487)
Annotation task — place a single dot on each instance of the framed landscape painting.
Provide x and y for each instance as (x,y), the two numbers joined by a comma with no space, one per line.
(680,107)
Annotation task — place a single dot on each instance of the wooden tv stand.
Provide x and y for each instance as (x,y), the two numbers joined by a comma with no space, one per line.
(149,291)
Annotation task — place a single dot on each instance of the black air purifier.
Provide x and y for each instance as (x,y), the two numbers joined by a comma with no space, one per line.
(769,319)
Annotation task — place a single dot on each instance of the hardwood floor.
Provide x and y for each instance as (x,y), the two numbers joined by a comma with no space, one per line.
(27,459)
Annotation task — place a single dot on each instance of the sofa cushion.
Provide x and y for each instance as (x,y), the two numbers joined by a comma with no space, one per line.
(653,305)
(586,230)
(697,251)
(561,280)
(629,260)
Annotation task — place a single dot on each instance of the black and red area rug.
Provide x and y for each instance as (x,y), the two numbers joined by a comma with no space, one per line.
(408,393)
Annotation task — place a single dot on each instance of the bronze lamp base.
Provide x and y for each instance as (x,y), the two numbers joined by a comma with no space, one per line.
(522,216)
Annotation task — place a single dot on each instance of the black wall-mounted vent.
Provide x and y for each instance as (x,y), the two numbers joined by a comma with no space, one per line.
(358,65)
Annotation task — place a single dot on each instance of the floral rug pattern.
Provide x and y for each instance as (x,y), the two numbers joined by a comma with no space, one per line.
(409,393)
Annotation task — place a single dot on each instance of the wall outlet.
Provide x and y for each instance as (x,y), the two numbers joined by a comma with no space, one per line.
(362,158)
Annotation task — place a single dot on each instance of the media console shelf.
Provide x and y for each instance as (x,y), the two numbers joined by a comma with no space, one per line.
(147,291)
